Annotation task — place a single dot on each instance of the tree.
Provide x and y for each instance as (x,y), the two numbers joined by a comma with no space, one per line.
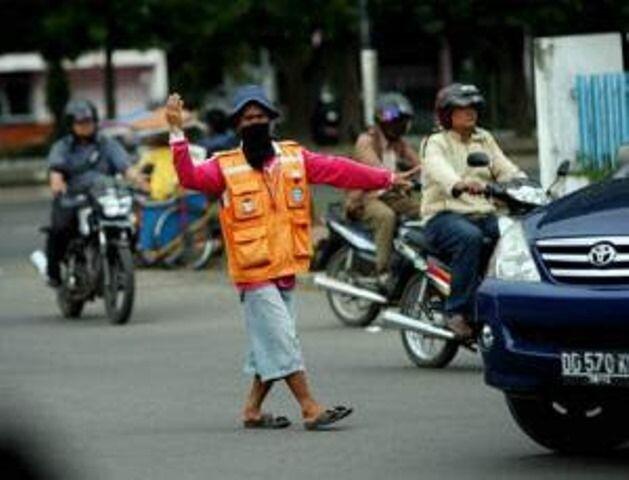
(286,29)
(483,40)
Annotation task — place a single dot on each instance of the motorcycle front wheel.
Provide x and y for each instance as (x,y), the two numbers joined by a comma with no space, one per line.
(69,307)
(351,311)
(421,300)
(119,294)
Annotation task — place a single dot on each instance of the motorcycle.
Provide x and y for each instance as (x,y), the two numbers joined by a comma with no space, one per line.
(98,262)
(420,318)
(353,290)
(420,276)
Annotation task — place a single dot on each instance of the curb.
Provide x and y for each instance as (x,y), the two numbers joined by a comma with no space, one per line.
(24,171)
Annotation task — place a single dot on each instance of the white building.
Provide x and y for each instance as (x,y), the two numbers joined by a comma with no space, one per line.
(141,80)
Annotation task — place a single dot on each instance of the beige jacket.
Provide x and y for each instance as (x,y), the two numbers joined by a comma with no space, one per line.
(444,163)
(372,148)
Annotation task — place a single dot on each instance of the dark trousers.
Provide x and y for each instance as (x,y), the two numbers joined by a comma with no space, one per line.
(461,239)
(63,225)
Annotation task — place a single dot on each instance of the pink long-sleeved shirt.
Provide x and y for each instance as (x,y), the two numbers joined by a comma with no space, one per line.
(340,172)
(337,171)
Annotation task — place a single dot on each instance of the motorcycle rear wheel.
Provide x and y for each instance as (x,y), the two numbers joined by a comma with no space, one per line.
(351,311)
(120,293)
(419,301)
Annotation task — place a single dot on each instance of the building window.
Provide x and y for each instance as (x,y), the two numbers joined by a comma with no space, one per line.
(15,97)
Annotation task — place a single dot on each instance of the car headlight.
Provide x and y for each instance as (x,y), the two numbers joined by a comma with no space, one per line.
(512,259)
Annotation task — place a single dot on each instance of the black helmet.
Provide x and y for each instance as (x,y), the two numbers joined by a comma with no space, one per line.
(77,110)
(456,95)
(392,107)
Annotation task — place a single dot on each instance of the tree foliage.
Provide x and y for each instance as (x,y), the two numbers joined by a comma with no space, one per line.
(204,38)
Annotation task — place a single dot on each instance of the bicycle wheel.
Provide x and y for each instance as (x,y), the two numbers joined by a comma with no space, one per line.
(167,237)
(201,239)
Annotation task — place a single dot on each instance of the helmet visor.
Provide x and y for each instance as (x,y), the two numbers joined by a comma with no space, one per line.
(476,101)
(391,113)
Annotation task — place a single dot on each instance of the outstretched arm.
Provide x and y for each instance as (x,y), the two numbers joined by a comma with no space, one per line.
(342,172)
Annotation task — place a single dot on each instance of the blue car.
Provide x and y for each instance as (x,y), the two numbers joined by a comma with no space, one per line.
(554,316)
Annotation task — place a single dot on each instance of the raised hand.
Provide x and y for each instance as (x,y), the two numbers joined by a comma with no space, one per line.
(174,111)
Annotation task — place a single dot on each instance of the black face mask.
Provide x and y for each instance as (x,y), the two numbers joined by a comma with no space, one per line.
(256,144)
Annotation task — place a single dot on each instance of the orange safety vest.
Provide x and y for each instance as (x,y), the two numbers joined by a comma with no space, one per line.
(265,217)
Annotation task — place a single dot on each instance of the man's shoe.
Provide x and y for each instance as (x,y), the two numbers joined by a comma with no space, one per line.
(457,323)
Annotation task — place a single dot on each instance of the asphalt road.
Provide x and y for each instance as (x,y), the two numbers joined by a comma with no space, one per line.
(160,397)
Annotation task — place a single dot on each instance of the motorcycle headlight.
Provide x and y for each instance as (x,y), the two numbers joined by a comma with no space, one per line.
(125,203)
(114,206)
(529,194)
(512,259)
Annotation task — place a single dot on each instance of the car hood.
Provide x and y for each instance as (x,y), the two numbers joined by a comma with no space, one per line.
(601,209)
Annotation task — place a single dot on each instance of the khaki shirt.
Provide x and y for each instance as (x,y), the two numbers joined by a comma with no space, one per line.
(444,164)
(372,148)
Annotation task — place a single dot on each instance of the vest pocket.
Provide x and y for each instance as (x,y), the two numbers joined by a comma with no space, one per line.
(302,244)
(251,247)
(295,190)
(247,200)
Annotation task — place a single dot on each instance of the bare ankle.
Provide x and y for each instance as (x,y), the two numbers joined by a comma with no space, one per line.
(251,413)
(311,409)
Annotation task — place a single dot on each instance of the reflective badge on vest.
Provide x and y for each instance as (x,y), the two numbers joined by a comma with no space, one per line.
(248,206)
(297,194)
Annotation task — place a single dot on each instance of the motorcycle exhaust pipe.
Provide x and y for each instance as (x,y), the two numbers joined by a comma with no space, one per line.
(404,322)
(328,283)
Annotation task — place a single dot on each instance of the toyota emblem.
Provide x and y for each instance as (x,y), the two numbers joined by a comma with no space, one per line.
(602,254)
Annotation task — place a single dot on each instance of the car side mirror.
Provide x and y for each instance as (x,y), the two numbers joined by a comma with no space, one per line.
(564,168)
(477,160)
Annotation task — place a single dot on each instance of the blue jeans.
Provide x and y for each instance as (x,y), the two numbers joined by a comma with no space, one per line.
(460,239)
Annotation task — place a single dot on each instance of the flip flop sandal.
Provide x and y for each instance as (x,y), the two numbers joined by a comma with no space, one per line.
(267,421)
(328,417)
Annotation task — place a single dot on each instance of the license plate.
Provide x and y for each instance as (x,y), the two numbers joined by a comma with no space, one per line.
(595,368)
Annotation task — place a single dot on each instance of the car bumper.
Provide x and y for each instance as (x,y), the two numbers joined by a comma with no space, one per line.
(532,323)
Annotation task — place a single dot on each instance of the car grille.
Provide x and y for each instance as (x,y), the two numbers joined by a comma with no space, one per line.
(586,260)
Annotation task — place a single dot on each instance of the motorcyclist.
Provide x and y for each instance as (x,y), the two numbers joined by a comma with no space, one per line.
(75,161)
(383,145)
(457,216)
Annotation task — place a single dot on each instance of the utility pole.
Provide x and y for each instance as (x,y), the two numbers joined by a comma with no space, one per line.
(368,66)
(110,73)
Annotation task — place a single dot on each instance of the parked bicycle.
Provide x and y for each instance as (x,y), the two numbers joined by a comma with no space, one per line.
(179,232)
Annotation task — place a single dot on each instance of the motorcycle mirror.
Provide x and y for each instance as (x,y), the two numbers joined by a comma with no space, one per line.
(564,168)
(477,159)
